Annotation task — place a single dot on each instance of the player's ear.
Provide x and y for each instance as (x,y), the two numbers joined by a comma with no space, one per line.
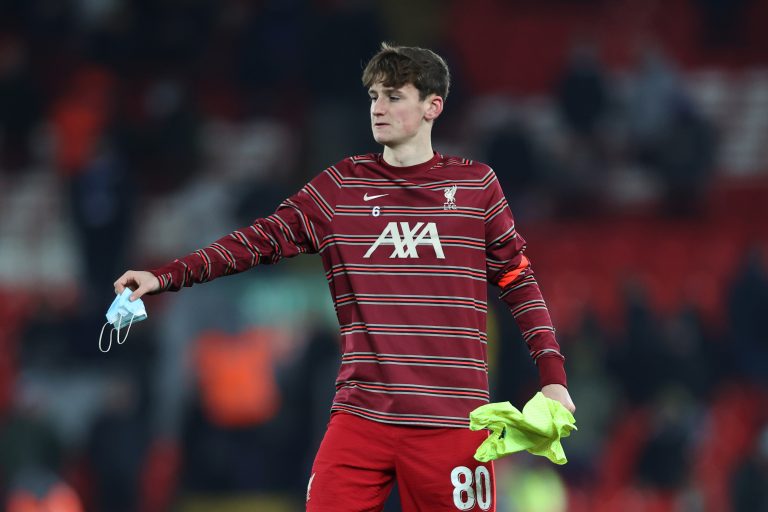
(434,107)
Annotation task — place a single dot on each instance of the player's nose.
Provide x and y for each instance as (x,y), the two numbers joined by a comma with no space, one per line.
(377,107)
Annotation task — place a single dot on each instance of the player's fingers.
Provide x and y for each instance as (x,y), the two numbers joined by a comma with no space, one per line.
(146,283)
(141,290)
(130,279)
(568,404)
(122,282)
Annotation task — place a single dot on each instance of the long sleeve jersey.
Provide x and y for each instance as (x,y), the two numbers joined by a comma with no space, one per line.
(407,253)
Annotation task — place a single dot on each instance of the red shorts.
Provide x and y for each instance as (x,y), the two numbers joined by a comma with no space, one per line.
(359,460)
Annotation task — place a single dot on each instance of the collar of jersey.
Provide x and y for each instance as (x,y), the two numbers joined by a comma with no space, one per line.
(410,171)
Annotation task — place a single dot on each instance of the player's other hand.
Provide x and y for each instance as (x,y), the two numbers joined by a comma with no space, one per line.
(139,281)
(560,393)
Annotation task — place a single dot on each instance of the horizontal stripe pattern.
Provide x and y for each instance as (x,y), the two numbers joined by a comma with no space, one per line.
(401,211)
(414,330)
(416,389)
(527,281)
(414,360)
(367,240)
(165,280)
(412,320)
(380,299)
(426,420)
(319,200)
(527,306)
(478,184)
(507,236)
(539,329)
(407,270)
(495,210)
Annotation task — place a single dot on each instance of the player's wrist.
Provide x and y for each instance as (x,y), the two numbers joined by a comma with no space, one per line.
(551,371)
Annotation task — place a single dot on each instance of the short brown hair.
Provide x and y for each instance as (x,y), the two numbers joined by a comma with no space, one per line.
(396,66)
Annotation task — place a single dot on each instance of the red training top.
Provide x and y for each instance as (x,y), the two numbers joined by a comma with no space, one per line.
(407,252)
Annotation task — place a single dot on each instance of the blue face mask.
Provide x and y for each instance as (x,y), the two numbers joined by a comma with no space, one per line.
(122,312)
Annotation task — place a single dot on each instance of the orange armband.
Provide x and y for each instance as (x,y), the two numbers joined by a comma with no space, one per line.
(511,275)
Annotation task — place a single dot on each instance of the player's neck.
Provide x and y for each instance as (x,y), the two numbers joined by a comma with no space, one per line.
(406,155)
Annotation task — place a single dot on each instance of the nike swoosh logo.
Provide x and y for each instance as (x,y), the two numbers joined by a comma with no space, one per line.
(366,197)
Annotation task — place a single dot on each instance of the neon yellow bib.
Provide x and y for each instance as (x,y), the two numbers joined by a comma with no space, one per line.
(537,429)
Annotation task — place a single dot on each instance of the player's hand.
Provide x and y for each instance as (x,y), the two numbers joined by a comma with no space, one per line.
(560,393)
(139,281)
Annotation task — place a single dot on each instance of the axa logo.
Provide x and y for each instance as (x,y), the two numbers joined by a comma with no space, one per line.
(406,238)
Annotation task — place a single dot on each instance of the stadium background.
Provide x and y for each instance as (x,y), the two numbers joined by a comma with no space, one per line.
(631,137)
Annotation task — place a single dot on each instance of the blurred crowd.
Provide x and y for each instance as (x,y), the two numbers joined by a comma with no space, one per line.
(629,137)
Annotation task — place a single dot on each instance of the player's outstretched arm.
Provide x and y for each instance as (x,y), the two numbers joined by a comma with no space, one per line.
(560,393)
(140,281)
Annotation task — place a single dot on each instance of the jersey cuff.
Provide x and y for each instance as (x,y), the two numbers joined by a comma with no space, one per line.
(164,274)
(551,371)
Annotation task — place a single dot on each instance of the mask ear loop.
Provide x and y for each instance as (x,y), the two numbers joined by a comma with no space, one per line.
(101,335)
(130,323)
(119,342)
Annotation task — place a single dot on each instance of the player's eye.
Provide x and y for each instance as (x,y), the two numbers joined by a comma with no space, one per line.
(394,98)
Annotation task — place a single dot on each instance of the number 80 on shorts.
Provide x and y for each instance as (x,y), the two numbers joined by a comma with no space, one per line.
(468,491)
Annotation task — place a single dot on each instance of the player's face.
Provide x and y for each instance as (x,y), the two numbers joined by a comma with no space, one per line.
(397,114)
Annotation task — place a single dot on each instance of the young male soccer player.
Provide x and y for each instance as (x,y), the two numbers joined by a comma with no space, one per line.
(408,239)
